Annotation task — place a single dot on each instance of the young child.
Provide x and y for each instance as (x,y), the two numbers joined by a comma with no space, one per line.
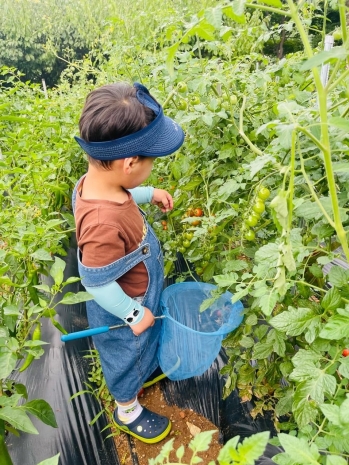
(123,129)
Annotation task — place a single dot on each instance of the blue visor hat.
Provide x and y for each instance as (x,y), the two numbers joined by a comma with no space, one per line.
(161,137)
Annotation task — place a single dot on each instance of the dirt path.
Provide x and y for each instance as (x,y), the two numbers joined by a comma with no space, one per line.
(185,424)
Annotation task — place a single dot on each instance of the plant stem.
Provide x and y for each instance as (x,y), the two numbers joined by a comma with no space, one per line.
(241,129)
(325,139)
(268,8)
(291,184)
(343,19)
(5,458)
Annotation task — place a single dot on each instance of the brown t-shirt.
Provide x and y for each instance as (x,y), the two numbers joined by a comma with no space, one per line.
(107,231)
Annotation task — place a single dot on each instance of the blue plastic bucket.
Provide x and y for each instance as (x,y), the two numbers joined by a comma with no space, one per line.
(191,340)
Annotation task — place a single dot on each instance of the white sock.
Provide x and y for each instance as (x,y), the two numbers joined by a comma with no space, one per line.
(128,413)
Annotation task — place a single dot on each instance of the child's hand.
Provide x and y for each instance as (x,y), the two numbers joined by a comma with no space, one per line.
(163,200)
(145,323)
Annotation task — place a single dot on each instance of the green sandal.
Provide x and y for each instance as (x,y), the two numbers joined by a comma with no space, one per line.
(149,427)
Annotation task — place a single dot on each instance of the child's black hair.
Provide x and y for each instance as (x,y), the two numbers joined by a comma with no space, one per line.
(110,112)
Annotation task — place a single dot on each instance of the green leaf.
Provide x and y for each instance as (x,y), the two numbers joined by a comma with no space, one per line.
(204,30)
(236,265)
(344,412)
(343,368)
(338,276)
(42,254)
(70,298)
(43,287)
(332,299)
(57,270)
(180,452)
(341,123)
(335,460)
(278,340)
(262,350)
(331,412)
(284,404)
(42,410)
(228,11)
(324,57)
(226,453)
(170,57)
(226,280)
(51,461)
(279,205)
(336,328)
(294,321)
(214,17)
(189,186)
(238,6)
(18,419)
(259,162)
(201,442)
(253,447)
(7,363)
(299,449)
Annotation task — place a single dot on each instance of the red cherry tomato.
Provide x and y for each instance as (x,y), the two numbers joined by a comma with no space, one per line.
(345,352)
(198,212)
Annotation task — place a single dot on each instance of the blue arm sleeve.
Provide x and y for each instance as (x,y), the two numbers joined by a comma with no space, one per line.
(113,299)
(142,194)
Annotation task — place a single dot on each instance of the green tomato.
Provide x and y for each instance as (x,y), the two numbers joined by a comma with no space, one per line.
(207,256)
(263,193)
(186,244)
(233,99)
(189,236)
(182,87)
(182,104)
(252,220)
(195,100)
(182,250)
(337,35)
(204,263)
(259,206)
(250,235)
(199,270)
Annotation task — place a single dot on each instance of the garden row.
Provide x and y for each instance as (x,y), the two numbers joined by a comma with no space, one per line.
(260,190)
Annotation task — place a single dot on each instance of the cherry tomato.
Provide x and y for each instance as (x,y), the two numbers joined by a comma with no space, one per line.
(259,206)
(182,87)
(263,193)
(250,235)
(164,222)
(345,352)
(198,212)
(204,263)
(337,35)
(199,270)
(195,100)
(196,222)
(164,227)
(207,256)
(186,244)
(233,99)
(182,105)
(189,236)
(182,249)
(252,220)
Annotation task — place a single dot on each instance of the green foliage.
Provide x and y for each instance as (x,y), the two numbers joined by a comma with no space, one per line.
(233,452)
(252,122)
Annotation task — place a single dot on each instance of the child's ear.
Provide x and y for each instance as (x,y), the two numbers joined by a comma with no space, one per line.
(129,164)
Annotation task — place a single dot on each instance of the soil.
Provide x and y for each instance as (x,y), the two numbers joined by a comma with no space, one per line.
(181,419)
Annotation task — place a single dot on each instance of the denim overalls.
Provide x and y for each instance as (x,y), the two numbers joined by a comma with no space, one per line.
(127,360)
